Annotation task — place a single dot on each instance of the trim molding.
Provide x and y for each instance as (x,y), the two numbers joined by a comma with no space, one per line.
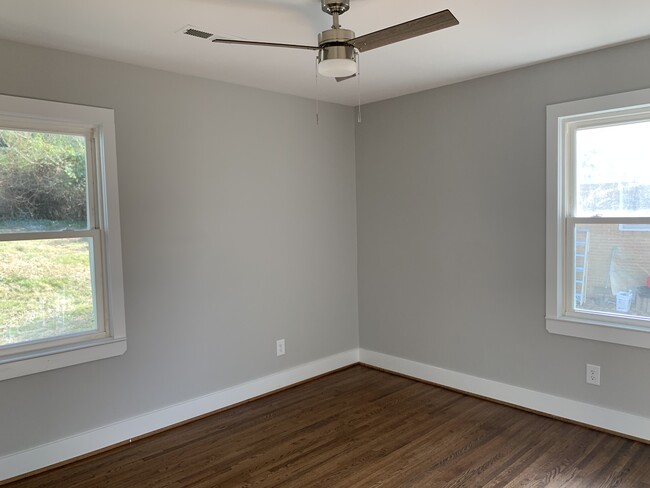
(62,450)
(85,443)
(587,414)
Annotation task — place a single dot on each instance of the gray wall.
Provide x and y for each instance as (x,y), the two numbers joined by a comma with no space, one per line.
(451,230)
(238,228)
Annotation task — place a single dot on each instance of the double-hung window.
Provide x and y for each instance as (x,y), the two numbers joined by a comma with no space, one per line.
(598,218)
(61,297)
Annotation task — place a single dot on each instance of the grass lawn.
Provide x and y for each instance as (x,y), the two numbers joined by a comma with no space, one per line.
(45,289)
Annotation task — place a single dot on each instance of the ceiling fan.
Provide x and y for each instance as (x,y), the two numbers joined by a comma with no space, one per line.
(337,47)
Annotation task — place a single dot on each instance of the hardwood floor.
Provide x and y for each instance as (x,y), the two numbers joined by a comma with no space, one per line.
(365,428)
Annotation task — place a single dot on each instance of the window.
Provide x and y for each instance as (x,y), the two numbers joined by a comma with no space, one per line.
(61,292)
(598,215)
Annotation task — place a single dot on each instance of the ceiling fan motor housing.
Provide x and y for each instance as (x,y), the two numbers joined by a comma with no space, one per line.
(336,52)
(335,36)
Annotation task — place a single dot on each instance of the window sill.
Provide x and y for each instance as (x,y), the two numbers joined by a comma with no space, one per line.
(599,331)
(59,358)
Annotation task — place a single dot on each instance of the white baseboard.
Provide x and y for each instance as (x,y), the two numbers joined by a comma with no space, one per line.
(64,449)
(90,441)
(585,413)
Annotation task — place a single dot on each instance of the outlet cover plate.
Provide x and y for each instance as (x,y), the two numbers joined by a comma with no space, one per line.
(279,347)
(593,374)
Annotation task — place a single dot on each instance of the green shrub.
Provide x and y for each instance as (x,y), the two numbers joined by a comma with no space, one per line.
(42,176)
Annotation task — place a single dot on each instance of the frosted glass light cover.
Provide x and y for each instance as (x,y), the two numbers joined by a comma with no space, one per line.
(338,68)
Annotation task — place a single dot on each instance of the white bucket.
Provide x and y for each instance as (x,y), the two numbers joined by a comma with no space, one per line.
(624,301)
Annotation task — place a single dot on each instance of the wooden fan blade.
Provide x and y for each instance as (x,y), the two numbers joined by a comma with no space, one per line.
(343,78)
(268,44)
(406,30)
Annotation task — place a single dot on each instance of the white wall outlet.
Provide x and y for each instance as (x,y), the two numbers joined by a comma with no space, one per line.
(593,374)
(279,347)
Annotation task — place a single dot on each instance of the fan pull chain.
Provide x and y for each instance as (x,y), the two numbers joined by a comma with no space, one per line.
(317,94)
(358,86)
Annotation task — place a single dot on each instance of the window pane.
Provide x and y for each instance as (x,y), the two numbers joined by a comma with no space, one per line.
(613,170)
(612,270)
(42,181)
(46,289)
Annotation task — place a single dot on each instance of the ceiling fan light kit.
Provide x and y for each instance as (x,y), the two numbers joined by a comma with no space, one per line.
(338,48)
(336,58)
(337,61)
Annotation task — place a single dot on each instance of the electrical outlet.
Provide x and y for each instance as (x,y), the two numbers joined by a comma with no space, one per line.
(279,347)
(593,374)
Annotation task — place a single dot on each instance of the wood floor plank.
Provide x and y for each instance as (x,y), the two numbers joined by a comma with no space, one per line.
(361,428)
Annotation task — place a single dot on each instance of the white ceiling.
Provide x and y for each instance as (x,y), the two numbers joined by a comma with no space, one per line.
(493,36)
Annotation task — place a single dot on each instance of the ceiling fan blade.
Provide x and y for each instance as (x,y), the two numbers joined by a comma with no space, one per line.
(343,78)
(406,30)
(268,44)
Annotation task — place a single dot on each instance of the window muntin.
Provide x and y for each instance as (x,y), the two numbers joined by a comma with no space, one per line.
(598,214)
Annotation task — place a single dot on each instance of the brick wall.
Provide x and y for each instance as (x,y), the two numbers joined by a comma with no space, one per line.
(629,251)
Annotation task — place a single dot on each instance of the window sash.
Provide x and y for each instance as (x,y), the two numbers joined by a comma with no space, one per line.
(92,156)
(10,351)
(570,126)
(569,268)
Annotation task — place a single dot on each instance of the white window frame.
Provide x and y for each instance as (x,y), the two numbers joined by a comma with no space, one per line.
(561,122)
(110,338)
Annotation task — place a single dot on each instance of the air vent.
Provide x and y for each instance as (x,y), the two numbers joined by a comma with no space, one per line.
(194,31)
(197,33)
